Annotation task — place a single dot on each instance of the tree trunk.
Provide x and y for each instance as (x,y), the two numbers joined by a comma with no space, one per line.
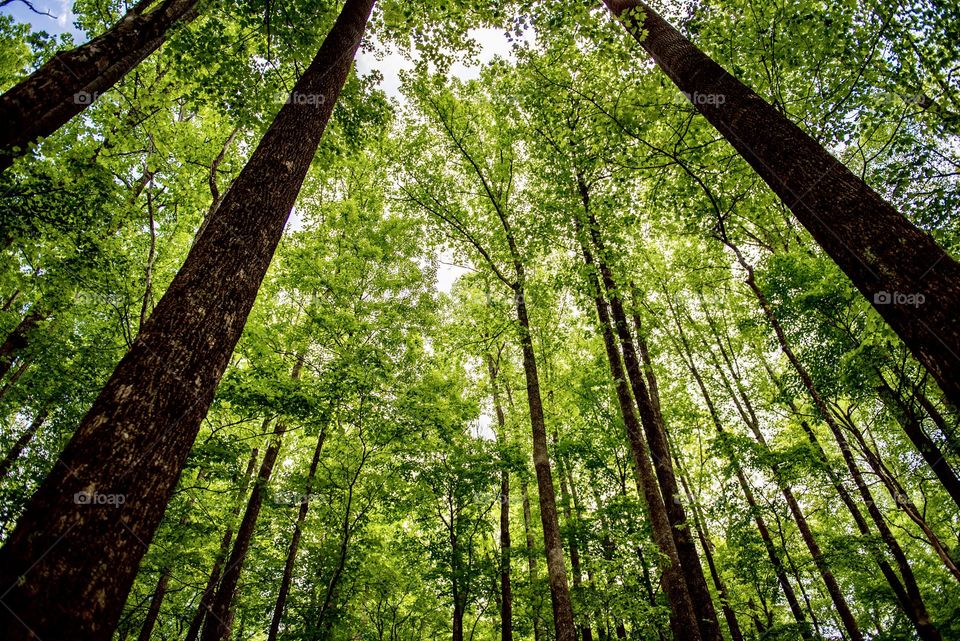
(71,80)
(912,427)
(506,593)
(295,542)
(586,633)
(655,431)
(701,526)
(206,597)
(892,262)
(684,619)
(154,610)
(18,339)
(749,418)
(17,448)
(556,568)
(899,495)
(135,440)
(219,621)
(531,558)
(917,613)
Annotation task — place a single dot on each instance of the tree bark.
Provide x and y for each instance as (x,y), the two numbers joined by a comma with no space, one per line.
(295,542)
(656,433)
(912,427)
(886,257)
(71,80)
(18,339)
(82,559)
(684,619)
(21,444)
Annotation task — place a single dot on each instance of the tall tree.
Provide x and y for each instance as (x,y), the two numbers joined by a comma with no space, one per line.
(71,80)
(891,261)
(135,439)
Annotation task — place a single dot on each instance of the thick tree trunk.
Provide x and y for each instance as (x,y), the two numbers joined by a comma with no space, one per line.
(153,612)
(66,85)
(655,431)
(21,444)
(684,619)
(133,443)
(295,542)
(506,593)
(890,260)
(19,338)
(917,612)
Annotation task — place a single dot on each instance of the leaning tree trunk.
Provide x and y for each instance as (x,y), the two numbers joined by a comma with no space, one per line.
(890,260)
(295,542)
(219,620)
(684,619)
(82,559)
(18,339)
(21,444)
(655,430)
(66,85)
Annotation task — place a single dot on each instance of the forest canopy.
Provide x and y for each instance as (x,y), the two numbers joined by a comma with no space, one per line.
(509,320)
